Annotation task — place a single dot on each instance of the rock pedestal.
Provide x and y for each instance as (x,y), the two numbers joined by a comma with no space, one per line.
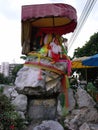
(42,109)
(38,96)
(41,84)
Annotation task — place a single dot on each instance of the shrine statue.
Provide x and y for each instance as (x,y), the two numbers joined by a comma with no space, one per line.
(55,50)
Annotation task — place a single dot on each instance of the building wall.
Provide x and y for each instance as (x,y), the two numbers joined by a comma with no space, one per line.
(0,68)
(6,68)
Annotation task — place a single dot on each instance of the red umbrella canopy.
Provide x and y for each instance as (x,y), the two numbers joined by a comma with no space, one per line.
(55,18)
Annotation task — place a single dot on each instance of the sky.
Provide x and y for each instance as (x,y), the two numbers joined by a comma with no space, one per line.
(10,27)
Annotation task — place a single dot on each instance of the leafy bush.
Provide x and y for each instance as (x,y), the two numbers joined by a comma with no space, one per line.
(91,87)
(92,90)
(9,118)
(4,80)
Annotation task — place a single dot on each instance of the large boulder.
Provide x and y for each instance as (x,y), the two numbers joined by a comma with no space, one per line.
(28,82)
(84,99)
(28,77)
(49,125)
(20,103)
(40,77)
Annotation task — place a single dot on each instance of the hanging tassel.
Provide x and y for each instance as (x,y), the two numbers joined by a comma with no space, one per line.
(65,89)
(38,57)
(69,67)
(40,75)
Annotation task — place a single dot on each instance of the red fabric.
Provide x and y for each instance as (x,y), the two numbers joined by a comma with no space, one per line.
(58,30)
(65,90)
(47,10)
(55,57)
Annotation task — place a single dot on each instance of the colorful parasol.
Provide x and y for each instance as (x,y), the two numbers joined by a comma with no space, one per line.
(77,63)
(91,61)
(54,18)
(50,15)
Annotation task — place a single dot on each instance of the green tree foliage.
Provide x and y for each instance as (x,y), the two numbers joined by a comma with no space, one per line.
(1,78)
(15,70)
(4,80)
(90,48)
